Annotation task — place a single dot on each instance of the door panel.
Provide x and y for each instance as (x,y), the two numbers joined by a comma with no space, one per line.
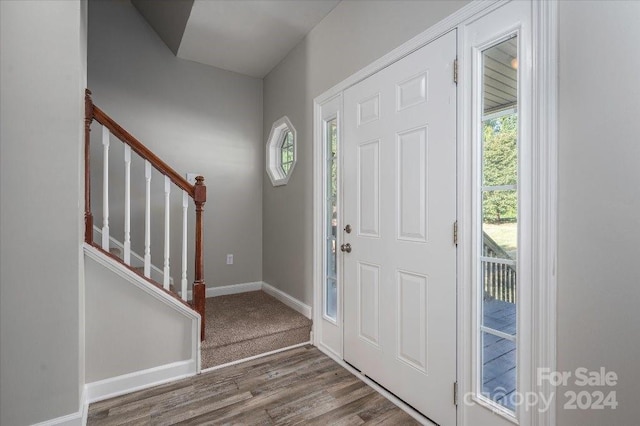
(399,196)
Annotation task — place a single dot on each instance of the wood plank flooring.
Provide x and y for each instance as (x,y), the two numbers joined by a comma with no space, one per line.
(299,386)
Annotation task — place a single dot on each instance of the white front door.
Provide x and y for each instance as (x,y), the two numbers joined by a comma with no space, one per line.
(399,200)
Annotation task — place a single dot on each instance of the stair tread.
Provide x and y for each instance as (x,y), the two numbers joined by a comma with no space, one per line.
(238,318)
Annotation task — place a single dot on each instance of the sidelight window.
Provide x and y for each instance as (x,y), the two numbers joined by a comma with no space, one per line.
(331,215)
(497,225)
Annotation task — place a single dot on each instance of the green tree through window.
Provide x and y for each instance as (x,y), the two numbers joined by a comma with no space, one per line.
(286,152)
(500,167)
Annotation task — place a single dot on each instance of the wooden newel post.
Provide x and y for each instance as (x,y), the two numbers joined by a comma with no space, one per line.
(199,287)
(88,118)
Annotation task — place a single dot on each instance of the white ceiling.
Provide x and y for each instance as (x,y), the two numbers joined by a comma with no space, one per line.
(248,36)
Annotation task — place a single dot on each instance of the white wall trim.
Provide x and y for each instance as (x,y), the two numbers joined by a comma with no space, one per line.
(382,391)
(274,143)
(283,297)
(154,291)
(545,191)
(537,338)
(230,289)
(74,419)
(288,300)
(234,289)
(132,382)
(85,406)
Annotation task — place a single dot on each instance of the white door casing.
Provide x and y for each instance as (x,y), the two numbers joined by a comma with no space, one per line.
(399,196)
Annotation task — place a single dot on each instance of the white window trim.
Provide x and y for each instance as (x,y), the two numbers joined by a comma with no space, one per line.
(274,144)
(539,340)
(327,333)
(544,133)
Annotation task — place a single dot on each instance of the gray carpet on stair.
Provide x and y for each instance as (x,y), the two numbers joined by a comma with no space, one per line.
(247,324)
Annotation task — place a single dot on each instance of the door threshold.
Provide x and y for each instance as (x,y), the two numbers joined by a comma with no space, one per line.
(418,416)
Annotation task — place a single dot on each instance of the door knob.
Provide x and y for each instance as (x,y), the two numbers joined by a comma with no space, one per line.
(347,229)
(345,247)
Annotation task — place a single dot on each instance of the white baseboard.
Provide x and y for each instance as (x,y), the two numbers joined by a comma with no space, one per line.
(234,289)
(75,419)
(288,300)
(127,383)
(229,289)
(78,418)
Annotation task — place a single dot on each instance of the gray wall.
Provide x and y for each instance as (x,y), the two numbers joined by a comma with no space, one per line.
(195,117)
(599,201)
(352,36)
(167,17)
(127,330)
(42,79)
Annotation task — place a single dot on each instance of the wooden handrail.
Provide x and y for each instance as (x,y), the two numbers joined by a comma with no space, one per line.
(198,192)
(142,150)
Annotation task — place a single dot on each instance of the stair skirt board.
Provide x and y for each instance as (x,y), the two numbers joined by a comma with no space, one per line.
(132,382)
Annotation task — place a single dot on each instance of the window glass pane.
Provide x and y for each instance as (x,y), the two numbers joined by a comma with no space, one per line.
(286,152)
(499,369)
(331,299)
(500,151)
(331,256)
(499,308)
(499,222)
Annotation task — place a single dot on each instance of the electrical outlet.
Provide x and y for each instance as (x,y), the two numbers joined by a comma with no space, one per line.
(229,259)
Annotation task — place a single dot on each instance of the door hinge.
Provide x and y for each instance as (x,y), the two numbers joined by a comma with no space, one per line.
(455,71)
(455,232)
(455,393)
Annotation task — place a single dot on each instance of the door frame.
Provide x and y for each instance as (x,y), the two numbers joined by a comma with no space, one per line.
(544,196)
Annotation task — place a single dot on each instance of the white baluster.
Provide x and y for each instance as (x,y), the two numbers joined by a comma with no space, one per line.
(147,220)
(127,204)
(183,281)
(167,192)
(105,189)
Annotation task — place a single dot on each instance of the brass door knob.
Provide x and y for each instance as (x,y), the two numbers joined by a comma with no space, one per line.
(345,248)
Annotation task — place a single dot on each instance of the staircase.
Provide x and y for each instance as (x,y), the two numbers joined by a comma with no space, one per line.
(247,324)
(236,326)
(121,252)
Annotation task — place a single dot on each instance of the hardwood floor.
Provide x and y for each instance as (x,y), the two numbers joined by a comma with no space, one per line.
(300,386)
